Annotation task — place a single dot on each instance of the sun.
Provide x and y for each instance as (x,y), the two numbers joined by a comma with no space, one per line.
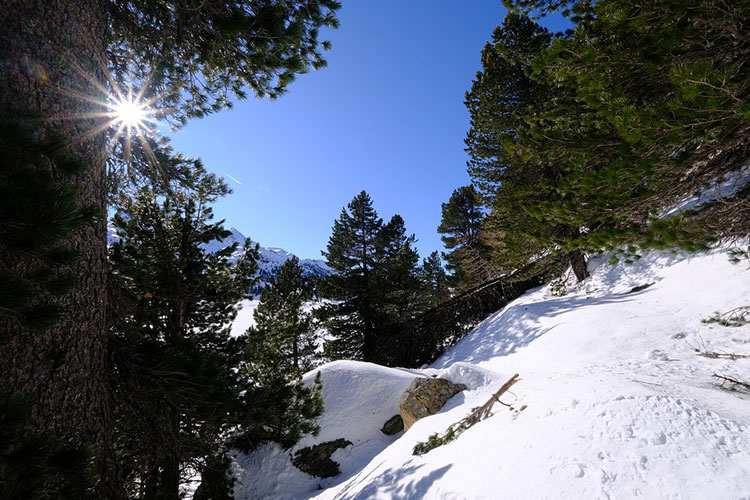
(131,115)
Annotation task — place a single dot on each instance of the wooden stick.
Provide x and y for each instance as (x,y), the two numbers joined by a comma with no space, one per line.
(732,380)
(721,355)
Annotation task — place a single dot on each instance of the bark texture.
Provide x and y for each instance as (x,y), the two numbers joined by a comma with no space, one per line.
(50,53)
(579,265)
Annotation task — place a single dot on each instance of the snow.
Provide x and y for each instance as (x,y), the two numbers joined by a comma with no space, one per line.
(617,404)
(722,188)
(244,319)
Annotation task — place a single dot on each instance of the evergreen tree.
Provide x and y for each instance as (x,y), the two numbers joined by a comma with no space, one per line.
(434,280)
(351,319)
(396,284)
(176,383)
(281,347)
(30,298)
(503,92)
(649,107)
(187,58)
(375,284)
(281,324)
(460,226)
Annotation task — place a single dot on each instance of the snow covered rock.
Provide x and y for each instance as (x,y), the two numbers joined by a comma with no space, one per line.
(425,397)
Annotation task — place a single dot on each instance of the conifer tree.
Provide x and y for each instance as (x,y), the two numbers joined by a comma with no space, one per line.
(187,58)
(281,347)
(396,277)
(175,379)
(434,280)
(375,286)
(501,95)
(460,227)
(281,324)
(649,107)
(351,320)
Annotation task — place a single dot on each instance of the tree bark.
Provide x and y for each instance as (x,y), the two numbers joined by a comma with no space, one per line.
(50,52)
(579,265)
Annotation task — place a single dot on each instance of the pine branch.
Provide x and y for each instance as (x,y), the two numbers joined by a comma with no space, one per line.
(724,379)
(456,429)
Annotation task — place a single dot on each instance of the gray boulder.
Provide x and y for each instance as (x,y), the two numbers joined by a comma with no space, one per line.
(425,397)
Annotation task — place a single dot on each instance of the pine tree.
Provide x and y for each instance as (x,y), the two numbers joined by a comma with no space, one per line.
(460,226)
(375,286)
(281,324)
(511,180)
(281,347)
(649,107)
(396,277)
(351,254)
(187,58)
(175,379)
(434,281)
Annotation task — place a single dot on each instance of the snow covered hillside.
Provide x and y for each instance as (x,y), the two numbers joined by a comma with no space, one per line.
(613,403)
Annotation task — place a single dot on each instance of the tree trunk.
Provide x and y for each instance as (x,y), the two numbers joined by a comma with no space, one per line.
(50,51)
(579,265)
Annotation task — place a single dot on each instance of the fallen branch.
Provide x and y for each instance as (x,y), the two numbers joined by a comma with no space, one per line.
(738,316)
(731,380)
(721,355)
(477,415)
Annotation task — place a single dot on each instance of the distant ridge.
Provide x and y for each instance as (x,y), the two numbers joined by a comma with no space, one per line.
(271,258)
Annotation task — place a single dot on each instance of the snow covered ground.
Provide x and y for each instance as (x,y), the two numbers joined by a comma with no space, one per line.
(617,404)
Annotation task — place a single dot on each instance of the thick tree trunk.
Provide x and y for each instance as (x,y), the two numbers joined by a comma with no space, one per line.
(579,265)
(50,52)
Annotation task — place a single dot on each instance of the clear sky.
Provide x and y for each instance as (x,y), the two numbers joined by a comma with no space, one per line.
(386,116)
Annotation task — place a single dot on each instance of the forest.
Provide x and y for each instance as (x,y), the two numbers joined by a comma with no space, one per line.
(121,379)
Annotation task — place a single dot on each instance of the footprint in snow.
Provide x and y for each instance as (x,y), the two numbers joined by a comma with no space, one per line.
(657,355)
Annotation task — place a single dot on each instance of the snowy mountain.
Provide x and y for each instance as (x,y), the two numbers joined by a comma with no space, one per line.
(613,401)
(270,258)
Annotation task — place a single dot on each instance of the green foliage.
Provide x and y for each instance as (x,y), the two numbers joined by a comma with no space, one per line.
(460,227)
(739,316)
(38,211)
(280,348)
(283,329)
(580,142)
(33,460)
(434,281)
(176,378)
(375,287)
(738,255)
(184,388)
(192,56)
(434,441)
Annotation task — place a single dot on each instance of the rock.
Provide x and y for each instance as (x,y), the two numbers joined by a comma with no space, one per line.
(394,425)
(316,460)
(425,397)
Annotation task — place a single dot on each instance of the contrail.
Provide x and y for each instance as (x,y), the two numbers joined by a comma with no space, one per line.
(235,180)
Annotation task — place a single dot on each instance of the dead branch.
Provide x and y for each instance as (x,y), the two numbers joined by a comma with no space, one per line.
(731,380)
(721,355)
(477,415)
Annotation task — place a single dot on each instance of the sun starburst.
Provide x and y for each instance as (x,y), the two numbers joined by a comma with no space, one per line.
(131,115)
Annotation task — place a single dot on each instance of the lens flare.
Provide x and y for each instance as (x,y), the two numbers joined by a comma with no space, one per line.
(131,115)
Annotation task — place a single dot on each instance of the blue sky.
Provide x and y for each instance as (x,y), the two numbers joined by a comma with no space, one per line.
(386,116)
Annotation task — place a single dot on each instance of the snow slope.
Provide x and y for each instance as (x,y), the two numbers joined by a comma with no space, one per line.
(617,404)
